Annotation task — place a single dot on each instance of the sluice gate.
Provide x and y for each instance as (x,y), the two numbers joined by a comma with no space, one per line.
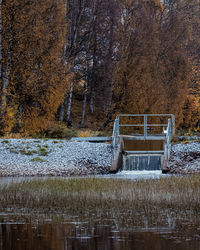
(141,142)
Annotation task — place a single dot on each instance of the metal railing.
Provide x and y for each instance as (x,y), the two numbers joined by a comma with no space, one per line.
(145,123)
(168,129)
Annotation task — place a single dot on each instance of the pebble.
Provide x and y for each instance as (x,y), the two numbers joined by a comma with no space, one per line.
(21,157)
(18,157)
(185,158)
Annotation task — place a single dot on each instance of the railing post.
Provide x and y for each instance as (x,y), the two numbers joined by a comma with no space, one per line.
(145,126)
(172,125)
(170,134)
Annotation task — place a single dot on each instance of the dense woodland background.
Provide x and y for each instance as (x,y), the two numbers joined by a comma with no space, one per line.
(82,62)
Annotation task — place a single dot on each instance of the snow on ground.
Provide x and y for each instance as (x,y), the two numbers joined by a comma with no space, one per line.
(33,157)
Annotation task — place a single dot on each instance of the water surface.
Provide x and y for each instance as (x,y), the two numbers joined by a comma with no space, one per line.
(102,235)
(104,230)
(133,175)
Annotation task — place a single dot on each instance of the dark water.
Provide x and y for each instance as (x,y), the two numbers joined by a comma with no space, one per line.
(104,230)
(105,235)
(143,145)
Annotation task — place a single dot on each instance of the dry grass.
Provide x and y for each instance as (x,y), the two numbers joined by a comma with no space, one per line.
(13,136)
(87,133)
(92,194)
(91,133)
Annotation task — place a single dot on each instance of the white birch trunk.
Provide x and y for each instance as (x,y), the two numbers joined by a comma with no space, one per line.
(70,102)
(84,103)
(91,107)
(94,68)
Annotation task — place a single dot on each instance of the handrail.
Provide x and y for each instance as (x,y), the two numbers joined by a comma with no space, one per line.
(145,123)
(168,132)
(117,140)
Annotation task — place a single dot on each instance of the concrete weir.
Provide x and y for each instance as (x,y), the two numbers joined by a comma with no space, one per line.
(142,151)
(142,162)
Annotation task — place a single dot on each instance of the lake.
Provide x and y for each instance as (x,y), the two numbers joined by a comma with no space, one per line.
(102,229)
(101,235)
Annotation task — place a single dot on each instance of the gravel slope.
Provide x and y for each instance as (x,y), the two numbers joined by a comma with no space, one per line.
(185,158)
(30,157)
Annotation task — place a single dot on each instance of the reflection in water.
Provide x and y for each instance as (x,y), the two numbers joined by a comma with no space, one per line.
(103,230)
(97,235)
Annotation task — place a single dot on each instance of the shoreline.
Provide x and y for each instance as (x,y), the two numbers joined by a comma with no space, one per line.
(185,158)
(55,157)
(34,157)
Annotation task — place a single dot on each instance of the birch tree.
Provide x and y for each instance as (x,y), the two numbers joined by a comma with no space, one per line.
(74,46)
(39,78)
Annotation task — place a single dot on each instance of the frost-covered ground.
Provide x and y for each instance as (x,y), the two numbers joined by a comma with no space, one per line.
(41,157)
(185,158)
(30,157)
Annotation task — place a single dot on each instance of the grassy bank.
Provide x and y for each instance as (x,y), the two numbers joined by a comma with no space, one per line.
(91,194)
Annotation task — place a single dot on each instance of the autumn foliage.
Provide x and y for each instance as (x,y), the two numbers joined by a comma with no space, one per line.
(37,77)
(83,62)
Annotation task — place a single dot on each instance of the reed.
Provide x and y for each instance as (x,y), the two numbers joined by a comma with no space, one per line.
(81,195)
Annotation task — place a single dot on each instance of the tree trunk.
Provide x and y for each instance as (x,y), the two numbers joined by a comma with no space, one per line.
(92,100)
(93,82)
(84,103)
(69,103)
(109,119)
(62,109)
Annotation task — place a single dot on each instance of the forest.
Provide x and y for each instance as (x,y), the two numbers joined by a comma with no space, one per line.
(79,63)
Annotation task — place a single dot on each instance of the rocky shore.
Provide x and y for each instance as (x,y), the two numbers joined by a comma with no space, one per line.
(30,157)
(185,158)
(48,157)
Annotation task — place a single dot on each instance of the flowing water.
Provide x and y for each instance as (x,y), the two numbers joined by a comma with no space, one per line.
(135,175)
(132,160)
